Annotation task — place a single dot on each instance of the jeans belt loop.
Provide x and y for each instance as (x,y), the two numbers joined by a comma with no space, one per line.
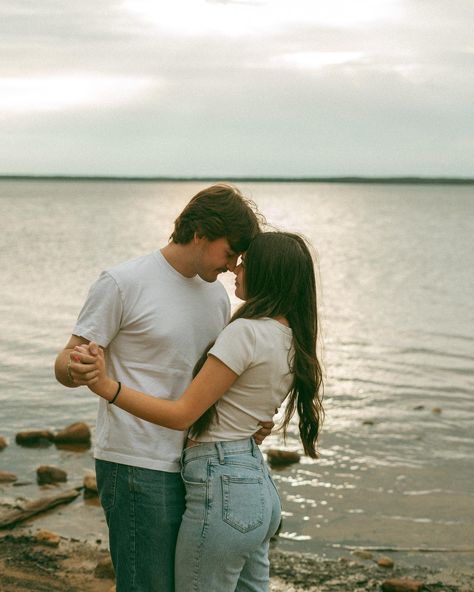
(220,453)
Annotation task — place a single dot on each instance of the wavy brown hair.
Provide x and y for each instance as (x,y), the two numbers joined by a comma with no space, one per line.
(280,282)
(219,211)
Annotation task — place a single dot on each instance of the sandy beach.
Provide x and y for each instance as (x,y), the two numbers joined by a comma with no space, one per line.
(31,561)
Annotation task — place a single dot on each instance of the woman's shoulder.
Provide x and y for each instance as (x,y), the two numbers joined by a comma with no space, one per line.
(241,326)
(262,326)
(238,331)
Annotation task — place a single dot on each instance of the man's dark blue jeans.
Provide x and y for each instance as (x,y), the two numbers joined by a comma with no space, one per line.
(143,509)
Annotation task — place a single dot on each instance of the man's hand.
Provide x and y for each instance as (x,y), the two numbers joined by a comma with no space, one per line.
(264,431)
(63,370)
(91,357)
(82,365)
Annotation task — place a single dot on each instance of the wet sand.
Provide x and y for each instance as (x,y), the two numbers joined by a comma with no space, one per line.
(29,566)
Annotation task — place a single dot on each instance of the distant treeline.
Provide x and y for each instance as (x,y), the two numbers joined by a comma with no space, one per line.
(373,180)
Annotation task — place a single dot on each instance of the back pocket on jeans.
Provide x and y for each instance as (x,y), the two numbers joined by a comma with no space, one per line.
(242,502)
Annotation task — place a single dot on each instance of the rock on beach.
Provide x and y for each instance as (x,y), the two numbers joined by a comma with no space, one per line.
(76,433)
(6,477)
(402,585)
(34,438)
(90,484)
(385,562)
(3,443)
(277,457)
(47,538)
(48,474)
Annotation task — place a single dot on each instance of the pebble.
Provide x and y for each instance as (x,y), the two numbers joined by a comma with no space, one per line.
(437,410)
(50,539)
(347,561)
(75,433)
(90,484)
(34,438)
(282,457)
(368,422)
(3,443)
(104,569)
(402,585)
(385,562)
(6,477)
(48,474)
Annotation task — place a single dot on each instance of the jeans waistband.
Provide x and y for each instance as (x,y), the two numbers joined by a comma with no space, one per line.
(220,450)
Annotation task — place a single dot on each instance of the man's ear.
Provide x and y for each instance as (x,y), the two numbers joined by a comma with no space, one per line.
(198,236)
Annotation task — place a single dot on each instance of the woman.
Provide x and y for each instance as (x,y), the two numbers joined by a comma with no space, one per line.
(266,354)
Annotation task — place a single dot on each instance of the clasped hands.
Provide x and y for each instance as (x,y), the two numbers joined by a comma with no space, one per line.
(86,366)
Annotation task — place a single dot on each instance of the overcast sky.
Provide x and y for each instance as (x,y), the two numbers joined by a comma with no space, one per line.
(232,88)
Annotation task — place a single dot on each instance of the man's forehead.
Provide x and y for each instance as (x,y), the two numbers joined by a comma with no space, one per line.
(230,248)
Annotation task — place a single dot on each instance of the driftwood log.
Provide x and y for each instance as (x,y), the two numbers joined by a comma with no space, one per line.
(406,549)
(24,509)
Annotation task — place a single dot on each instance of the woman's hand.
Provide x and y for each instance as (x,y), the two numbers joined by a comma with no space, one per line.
(100,383)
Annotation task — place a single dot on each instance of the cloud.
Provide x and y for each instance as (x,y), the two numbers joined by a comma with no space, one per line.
(315,60)
(20,95)
(234,87)
(240,18)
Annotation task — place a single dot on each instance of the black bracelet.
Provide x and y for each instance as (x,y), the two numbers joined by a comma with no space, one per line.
(117,393)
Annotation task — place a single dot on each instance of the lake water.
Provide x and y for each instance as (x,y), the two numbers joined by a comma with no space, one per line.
(396,266)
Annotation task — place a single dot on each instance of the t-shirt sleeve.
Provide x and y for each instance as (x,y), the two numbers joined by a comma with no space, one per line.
(235,346)
(101,315)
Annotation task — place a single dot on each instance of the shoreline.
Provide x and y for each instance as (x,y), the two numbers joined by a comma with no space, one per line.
(345,179)
(73,539)
(28,564)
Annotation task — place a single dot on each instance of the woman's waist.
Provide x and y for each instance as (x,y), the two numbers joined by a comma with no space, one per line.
(220,449)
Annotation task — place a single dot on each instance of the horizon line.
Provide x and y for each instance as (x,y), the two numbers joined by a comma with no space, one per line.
(402,179)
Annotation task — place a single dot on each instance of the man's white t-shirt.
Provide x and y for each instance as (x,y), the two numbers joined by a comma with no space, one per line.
(260,352)
(154,324)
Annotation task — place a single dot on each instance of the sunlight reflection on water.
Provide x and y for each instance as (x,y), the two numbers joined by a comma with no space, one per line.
(397,310)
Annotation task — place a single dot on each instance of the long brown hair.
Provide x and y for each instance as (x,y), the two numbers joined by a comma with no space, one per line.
(280,281)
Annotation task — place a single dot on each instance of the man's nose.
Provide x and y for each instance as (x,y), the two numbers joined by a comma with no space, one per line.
(232,263)
(236,269)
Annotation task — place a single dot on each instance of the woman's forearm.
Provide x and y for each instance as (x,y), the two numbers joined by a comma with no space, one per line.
(213,380)
(163,412)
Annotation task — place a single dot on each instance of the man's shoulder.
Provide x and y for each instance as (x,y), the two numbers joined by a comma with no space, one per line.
(132,267)
(218,288)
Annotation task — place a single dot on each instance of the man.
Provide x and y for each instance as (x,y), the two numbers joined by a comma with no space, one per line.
(154,316)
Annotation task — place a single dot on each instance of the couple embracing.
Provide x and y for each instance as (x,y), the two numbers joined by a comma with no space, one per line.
(187,495)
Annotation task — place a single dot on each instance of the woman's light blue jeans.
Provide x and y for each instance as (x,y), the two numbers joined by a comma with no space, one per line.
(232,511)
